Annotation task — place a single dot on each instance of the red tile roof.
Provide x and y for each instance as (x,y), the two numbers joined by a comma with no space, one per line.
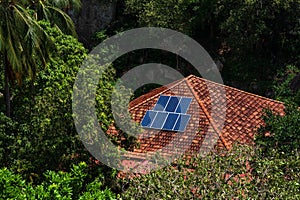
(242,117)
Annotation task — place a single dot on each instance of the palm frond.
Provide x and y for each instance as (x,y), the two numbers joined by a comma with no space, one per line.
(23,41)
(62,20)
(66,4)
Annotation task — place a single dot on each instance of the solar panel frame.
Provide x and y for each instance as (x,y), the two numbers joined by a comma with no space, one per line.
(169,114)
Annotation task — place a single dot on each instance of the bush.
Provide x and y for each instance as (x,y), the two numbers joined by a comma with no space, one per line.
(57,185)
(14,144)
(282,85)
(280,132)
(241,174)
(205,178)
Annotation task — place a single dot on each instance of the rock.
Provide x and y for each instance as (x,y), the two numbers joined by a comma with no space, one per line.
(93,16)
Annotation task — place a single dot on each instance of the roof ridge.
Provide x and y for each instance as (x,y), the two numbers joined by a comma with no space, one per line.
(206,112)
(236,89)
(152,97)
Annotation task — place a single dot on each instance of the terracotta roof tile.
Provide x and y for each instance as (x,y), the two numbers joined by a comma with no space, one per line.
(243,115)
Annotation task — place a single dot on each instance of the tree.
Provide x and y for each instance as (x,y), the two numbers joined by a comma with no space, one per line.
(54,11)
(258,27)
(281,133)
(47,106)
(23,42)
(167,14)
(46,109)
(66,4)
(23,45)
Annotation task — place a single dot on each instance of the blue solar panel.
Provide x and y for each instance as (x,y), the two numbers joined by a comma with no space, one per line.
(148,118)
(170,122)
(169,113)
(182,122)
(183,105)
(159,120)
(161,103)
(172,104)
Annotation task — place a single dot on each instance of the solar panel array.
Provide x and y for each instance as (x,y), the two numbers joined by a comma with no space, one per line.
(169,113)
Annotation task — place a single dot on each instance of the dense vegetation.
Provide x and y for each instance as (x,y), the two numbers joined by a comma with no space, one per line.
(41,156)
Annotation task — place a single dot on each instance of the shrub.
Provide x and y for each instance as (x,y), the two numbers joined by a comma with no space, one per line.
(241,174)
(283,132)
(57,185)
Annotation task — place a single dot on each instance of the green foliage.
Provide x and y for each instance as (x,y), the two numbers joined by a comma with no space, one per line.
(241,174)
(168,14)
(14,143)
(11,186)
(262,27)
(7,133)
(66,4)
(282,86)
(254,38)
(45,105)
(54,12)
(22,40)
(121,97)
(251,74)
(23,43)
(45,108)
(57,185)
(281,133)
(257,38)
(93,192)
(278,143)
(284,131)
(103,98)
(100,36)
(203,178)
(277,176)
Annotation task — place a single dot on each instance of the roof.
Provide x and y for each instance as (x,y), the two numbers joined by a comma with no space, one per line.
(242,117)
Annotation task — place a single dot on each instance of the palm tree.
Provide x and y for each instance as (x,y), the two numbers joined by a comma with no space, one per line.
(55,11)
(23,43)
(66,4)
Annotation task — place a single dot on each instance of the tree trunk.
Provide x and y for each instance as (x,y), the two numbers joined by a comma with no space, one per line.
(6,86)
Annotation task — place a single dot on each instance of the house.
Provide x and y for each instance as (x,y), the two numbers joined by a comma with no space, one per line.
(210,127)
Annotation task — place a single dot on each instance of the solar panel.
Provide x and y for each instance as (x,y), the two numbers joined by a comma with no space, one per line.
(159,120)
(170,122)
(172,104)
(184,105)
(182,122)
(169,113)
(148,118)
(161,103)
